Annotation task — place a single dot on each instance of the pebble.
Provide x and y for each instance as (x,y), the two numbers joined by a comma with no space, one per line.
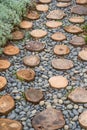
(69,106)
(66,127)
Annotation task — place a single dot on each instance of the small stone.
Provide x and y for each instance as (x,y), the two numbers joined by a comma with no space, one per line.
(33,95)
(6,104)
(35,46)
(58,82)
(31,60)
(11,50)
(62,64)
(17,35)
(47,118)
(79,9)
(53,24)
(76,106)
(83,55)
(26,74)
(66,127)
(10,124)
(33,15)
(83,119)
(61,49)
(73,29)
(41,103)
(64,0)
(3,82)
(79,95)
(69,106)
(45,1)
(63,4)
(60,101)
(4,64)
(77,19)
(38,33)
(26,24)
(56,14)
(77,41)
(58,36)
(42,7)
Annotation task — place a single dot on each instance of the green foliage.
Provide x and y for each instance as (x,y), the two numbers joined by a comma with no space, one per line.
(86,39)
(85,27)
(11,13)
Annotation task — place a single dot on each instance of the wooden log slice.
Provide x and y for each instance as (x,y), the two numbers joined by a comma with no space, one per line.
(26,74)
(83,55)
(63,4)
(79,9)
(73,29)
(11,50)
(62,64)
(79,95)
(58,36)
(33,15)
(3,82)
(26,24)
(38,33)
(58,82)
(7,104)
(61,49)
(83,119)
(17,35)
(45,1)
(33,95)
(49,119)
(77,41)
(7,124)
(35,46)
(82,2)
(31,60)
(56,14)
(77,19)
(42,7)
(53,24)
(4,64)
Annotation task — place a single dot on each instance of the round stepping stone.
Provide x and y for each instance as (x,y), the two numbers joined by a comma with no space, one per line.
(81,2)
(63,4)
(62,64)
(34,95)
(4,64)
(11,50)
(45,1)
(53,24)
(79,9)
(33,15)
(73,29)
(3,82)
(26,74)
(8,124)
(63,0)
(77,19)
(38,33)
(17,35)
(7,104)
(61,49)
(31,60)
(56,14)
(83,119)
(77,41)
(83,55)
(26,24)
(79,95)
(58,36)
(58,82)
(35,46)
(42,7)
(49,119)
